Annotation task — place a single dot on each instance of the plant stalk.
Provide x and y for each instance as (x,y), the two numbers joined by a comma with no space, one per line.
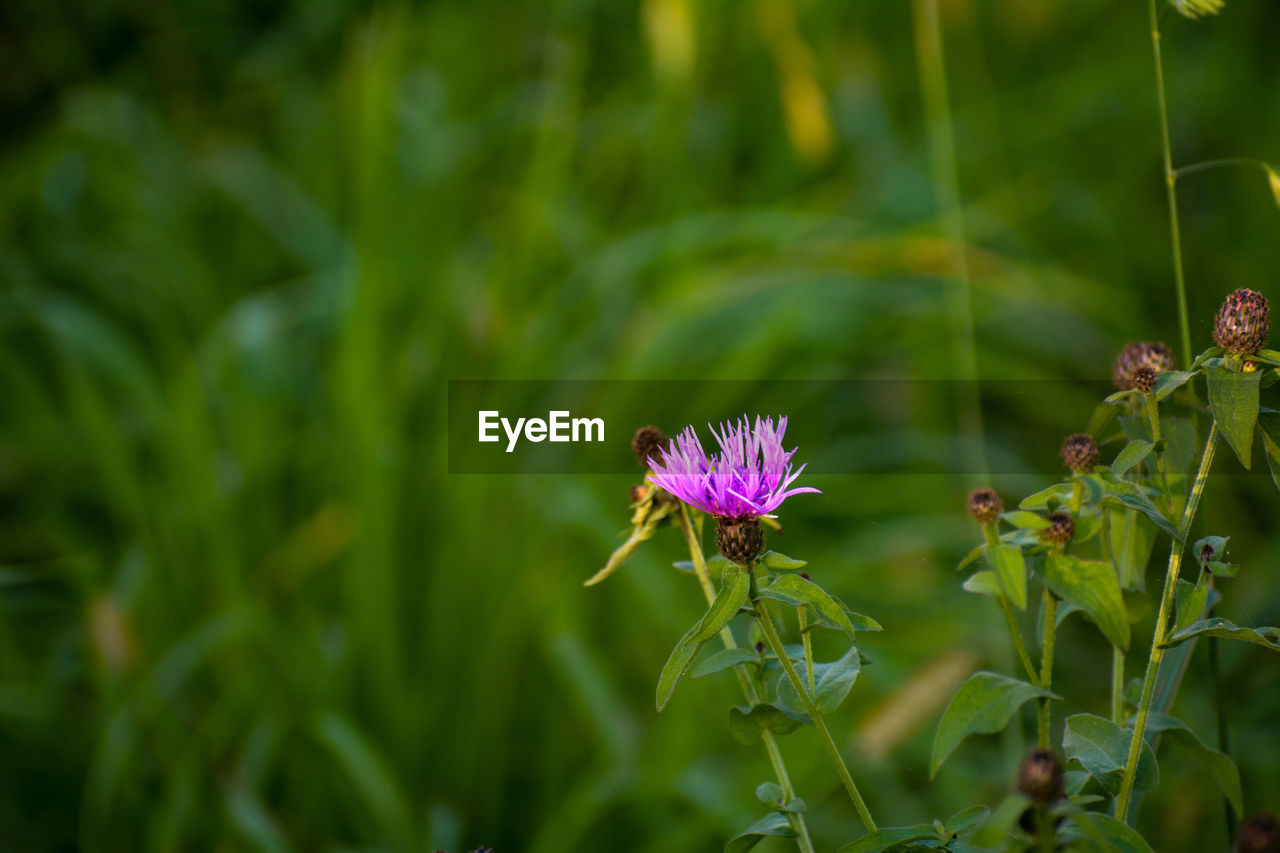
(815,716)
(1046,666)
(748,689)
(1162,624)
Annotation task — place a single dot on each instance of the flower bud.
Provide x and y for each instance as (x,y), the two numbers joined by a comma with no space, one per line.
(1060,530)
(1138,354)
(1079,451)
(740,539)
(1207,554)
(1040,777)
(646,443)
(759,647)
(1144,379)
(639,492)
(1259,834)
(985,505)
(1243,322)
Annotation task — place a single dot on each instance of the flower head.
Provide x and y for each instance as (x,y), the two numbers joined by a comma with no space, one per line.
(1259,834)
(985,505)
(750,476)
(646,443)
(1060,530)
(1040,776)
(1138,354)
(1243,322)
(1079,451)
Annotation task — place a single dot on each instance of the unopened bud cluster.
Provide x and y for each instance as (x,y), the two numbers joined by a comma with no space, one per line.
(1080,452)
(1137,355)
(984,505)
(1243,322)
(1060,530)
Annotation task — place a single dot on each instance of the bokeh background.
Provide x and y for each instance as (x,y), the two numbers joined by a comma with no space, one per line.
(243,247)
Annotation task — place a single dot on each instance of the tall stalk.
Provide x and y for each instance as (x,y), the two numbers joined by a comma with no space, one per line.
(1159,638)
(748,689)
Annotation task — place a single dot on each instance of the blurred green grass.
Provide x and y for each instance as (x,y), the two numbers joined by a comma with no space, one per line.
(241,604)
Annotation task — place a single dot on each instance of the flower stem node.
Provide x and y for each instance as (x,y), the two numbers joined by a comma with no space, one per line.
(1040,777)
(984,505)
(1060,530)
(646,443)
(740,539)
(1259,834)
(1144,379)
(1243,322)
(1139,354)
(1080,452)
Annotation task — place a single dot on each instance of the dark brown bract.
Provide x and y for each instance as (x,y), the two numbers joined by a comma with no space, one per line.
(985,505)
(646,443)
(740,539)
(1079,451)
(1144,379)
(1243,322)
(1060,530)
(1040,777)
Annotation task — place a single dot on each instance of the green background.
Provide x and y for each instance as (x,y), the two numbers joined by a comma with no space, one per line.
(244,246)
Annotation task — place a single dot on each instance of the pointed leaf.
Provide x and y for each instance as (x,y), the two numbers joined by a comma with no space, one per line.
(1116,836)
(983,704)
(1190,600)
(1091,586)
(774,560)
(1011,572)
(798,592)
(1170,381)
(1269,427)
(967,819)
(772,825)
(1233,398)
(1220,765)
(1219,627)
(889,837)
(724,659)
(1102,748)
(1133,453)
(746,724)
(983,583)
(734,592)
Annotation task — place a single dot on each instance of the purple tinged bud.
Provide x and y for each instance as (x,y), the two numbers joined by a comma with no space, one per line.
(1259,834)
(1243,322)
(1137,354)
(1079,451)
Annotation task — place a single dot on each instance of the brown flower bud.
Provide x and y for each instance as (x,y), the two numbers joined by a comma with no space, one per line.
(639,492)
(1079,451)
(985,505)
(646,443)
(1138,354)
(1040,777)
(1259,834)
(740,539)
(1144,379)
(1243,322)
(1060,529)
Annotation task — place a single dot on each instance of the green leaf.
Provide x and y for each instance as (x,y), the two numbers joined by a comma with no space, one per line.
(1267,356)
(1027,520)
(1170,381)
(774,560)
(746,724)
(1218,544)
(1190,602)
(967,819)
(770,794)
(1053,496)
(1221,766)
(724,659)
(1115,835)
(970,557)
(1269,427)
(1219,627)
(734,592)
(1233,397)
(798,592)
(1102,748)
(1002,821)
(1102,415)
(1132,539)
(884,839)
(1011,572)
(772,825)
(983,583)
(983,704)
(833,682)
(1091,586)
(1133,453)
(1126,495)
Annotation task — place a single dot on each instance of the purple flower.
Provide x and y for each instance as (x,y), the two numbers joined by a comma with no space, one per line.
(748,478)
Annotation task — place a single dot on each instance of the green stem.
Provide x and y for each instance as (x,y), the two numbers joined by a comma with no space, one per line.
(992,534)
(1220,705)
(1224,162)
(942,159)
(1046,666)
(748,688)
(808,649)
(1162,624)
(1153,415)
(1117,685)
(1170,183)
(1046,830)
(815,716)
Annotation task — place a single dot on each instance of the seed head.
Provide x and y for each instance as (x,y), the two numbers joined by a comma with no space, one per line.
(1243,322)
(1137,354)
(985,505)
(646,443)
(1060,530)
(1144,379)
(1259,834)
(1079,451)
(740,539)
(1040,776)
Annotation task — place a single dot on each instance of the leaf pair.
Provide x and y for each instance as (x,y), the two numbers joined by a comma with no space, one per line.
(735,591)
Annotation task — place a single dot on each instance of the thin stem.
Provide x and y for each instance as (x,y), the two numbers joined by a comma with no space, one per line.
(1117,685)
(748,689)
(1220,705)
(1170,182)
(815,716)
(1018,643)
(1162,624)
(1046,666)
(1224,162)
(942,158)
(1046,830)
(808,649)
